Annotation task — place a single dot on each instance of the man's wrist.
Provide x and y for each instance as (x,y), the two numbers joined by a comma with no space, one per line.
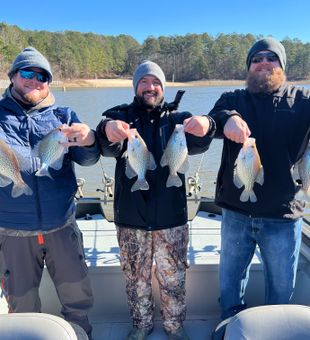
(212,124)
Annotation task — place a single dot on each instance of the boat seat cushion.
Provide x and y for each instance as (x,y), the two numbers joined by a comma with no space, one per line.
(35,326)
(272,322)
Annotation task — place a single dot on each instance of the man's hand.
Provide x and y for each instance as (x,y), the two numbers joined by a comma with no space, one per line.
(116,130)
(236,129)
(78,134)
(197,125)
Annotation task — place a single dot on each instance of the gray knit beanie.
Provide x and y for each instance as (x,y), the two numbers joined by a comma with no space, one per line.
(268,44)
(30,57)
(147,67)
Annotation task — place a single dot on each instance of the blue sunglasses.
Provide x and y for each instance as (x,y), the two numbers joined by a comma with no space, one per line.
(29,74)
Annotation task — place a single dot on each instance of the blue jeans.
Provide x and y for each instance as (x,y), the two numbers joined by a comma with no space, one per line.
(279,242)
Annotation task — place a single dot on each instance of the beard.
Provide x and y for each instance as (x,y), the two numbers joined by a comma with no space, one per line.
(265,82)
(31,97)
(149,104)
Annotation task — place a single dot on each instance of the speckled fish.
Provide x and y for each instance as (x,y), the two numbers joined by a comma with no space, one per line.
(248,170)
(10,171)
(303,168)
(176,156)
(139,160)
(51,152)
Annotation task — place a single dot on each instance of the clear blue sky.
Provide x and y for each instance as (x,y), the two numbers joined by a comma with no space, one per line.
(141,19)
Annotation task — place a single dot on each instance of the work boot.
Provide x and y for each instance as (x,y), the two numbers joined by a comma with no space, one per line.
(139,333)
(179,334)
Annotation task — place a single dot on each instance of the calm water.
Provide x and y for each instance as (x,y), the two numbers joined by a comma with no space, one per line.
(90,103)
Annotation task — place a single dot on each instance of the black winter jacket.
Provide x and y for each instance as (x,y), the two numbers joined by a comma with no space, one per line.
(159,207)
(280,123)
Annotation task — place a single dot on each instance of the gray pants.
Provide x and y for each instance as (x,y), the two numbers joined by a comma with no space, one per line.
(21,265)
(168,247)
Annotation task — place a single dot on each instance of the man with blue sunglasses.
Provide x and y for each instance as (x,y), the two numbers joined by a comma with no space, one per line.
(40,228)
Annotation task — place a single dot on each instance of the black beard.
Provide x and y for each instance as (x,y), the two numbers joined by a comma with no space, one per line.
(148,106)
(268,83)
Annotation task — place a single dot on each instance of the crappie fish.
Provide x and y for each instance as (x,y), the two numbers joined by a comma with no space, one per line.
(303,168)
(139,160)
(248,170)
(176,156)
(10,171)
(51,152)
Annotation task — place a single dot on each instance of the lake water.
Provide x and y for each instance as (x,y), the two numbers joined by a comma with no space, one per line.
(90,103)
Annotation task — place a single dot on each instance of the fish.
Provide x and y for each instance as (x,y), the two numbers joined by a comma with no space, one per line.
(175,156)
(139,160)
(51,152)
(10,172)
(248,170)
(303,169)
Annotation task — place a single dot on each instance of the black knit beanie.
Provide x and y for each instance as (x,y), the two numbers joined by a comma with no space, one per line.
(268,44)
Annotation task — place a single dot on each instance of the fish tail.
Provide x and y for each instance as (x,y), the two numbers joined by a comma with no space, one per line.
(248,195)
(173,181)
(44,172)
(140,184)
(19,189)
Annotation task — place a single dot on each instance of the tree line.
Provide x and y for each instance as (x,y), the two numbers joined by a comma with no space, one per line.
(183,58)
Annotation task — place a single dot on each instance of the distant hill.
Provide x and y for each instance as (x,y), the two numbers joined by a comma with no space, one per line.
(76,55)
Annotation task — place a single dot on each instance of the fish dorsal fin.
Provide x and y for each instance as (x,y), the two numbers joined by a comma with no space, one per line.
(4,181)
(237,180)
(129,171)
(57,165)
(184,166)
(260,176)
(151,165)
(125,154)
(164,159)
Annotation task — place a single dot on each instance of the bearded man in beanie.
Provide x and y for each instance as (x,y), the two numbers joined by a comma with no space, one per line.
(37,222)
(277,116)
(152,224)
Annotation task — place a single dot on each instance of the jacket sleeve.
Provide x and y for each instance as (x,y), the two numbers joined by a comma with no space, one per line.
(107,148)
(221,112)
(83,155)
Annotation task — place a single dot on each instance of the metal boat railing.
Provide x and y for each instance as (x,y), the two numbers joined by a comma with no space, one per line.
(87,206)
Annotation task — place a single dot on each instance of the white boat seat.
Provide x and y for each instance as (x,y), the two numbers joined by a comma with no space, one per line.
(35,326)
(271,322)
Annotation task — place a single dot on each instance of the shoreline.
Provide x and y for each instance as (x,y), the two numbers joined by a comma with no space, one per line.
(127,83)
(120,82)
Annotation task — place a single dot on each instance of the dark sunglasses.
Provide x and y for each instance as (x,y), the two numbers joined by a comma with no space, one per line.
(258,58)
(29,74)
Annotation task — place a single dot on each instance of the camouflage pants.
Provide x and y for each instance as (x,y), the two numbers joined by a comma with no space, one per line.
(168,247)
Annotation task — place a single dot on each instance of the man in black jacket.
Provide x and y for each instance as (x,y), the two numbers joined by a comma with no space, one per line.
(152,223)
(277,115)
